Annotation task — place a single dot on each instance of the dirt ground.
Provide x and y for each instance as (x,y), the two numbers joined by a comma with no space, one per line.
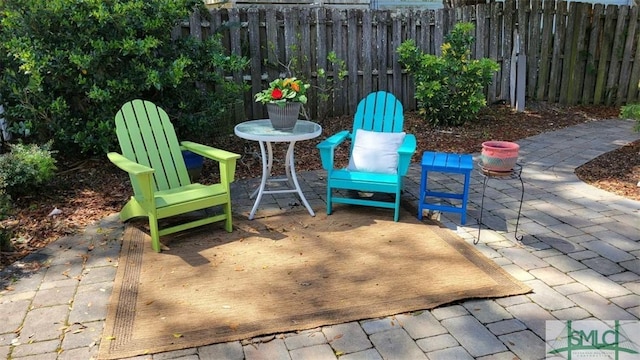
(89,189)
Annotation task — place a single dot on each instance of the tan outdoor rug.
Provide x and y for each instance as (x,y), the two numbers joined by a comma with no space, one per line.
(285,273)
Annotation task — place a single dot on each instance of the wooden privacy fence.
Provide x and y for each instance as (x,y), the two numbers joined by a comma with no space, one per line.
(575,52)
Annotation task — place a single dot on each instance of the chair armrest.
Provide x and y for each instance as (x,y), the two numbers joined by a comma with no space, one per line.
(209,152)
(226,160)
(141,177)
(129,166)
(327,148)
(405,152)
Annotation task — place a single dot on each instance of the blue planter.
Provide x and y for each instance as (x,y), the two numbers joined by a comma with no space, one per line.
(194,164)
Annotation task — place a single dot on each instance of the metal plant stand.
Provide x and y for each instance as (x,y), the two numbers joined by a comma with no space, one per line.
(515,173)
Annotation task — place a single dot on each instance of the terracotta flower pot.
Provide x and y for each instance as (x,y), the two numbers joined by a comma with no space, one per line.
(499,155)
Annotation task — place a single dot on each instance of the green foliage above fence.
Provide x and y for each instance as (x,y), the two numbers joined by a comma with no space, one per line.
(69,66)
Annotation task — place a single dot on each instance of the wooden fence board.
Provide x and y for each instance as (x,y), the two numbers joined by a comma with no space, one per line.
(396,69)
(307,57)
(533,49)
(253,23)
(438,33)
(381,42)
(634,79)
(568,64)
(495,27)
(339,105)
(578,51)
(481,32)
(354,52)
(367,52)
(558,51)
(320,61)
(596,22)
(626,61)
(605,54)
(616,56)
(413,27)
(509,27)
(546,44)
(423,40)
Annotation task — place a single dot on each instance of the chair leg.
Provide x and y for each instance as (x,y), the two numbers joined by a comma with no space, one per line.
(228,222)
(396,214)
(153,229)
(329,191)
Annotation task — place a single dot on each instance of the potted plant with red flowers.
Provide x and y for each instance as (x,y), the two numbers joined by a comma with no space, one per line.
(283,98)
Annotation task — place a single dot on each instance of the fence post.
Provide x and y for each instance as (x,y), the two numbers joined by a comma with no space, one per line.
(518,74)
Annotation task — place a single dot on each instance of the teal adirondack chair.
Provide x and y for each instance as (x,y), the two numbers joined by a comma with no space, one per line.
(152,156)
(380,154)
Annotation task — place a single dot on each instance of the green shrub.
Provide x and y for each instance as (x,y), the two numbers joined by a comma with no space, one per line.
(68,66)
(25,168)
(631,111)
(449,88)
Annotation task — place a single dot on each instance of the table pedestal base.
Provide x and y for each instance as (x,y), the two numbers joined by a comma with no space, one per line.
(291,179)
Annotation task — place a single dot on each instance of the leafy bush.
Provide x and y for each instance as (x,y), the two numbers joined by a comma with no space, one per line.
(449,88)
(25,168)
(69,65)
(631,111)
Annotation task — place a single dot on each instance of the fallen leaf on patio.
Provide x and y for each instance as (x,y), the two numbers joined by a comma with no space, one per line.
(177,335)
(110,338)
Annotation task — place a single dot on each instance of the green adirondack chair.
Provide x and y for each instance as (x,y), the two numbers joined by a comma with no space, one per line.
(380,154)
(152,156)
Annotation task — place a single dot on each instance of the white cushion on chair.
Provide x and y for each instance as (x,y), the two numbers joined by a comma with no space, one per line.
(375,152)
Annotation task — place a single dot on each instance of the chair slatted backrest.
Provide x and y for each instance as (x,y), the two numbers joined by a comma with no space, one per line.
(379,111)
(147,137)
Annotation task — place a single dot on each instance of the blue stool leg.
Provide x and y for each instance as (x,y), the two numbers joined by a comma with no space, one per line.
(423,188)
(465,197)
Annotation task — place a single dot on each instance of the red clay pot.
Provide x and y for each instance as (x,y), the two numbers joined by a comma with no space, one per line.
(499,155)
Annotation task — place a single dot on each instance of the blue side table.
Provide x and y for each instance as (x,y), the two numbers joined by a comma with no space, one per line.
(445,163)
